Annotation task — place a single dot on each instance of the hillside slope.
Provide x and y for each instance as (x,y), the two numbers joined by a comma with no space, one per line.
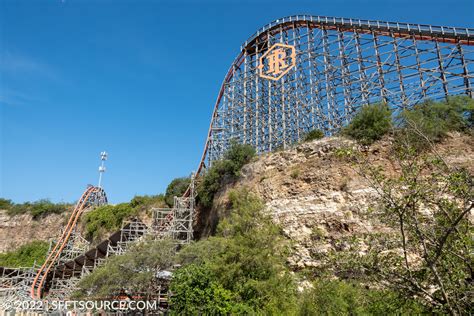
(319,198)
(18,230)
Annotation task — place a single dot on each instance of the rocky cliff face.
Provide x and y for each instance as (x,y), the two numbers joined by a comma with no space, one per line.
(319,198)
(21,229)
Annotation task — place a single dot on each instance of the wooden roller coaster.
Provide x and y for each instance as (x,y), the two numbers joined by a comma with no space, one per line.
(338,65)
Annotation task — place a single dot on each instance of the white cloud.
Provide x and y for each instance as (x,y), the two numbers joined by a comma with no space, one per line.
(20,65)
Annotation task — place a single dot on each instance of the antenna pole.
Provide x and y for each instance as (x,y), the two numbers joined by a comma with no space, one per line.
(103,158)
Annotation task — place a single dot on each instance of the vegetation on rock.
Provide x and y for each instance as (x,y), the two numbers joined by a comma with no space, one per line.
(244,266)
(333,297)
(36,209)
(424,123)
(226,169)
(429,122)
(133,272)
(314,134)
(108,218)
(428,205)
(26,255)
(177,187)
(370,123)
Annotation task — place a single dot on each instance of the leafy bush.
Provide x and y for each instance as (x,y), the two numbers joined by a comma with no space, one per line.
(26,255)
(370,123)
(134,271)
(314,134)
(239,155)
(177,187)
(241,270)
(5,204)
(344,298)
(226,169)
(441,241)
(106,218)
(142,202)
(430,121)
(36,209)
(196,292)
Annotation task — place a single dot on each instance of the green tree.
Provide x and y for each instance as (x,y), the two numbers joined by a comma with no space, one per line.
(239,155)
(246,261)
(227,169)
(427,204)
(430,121)
(370,123)
(177,187)
(133,272)
(335,297)
(196,292)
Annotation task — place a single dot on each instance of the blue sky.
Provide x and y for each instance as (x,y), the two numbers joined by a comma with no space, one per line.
(137,79)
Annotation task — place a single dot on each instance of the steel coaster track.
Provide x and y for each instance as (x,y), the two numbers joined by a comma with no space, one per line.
(91,196)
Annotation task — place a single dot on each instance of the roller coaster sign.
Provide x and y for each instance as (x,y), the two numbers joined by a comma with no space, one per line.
(277,61)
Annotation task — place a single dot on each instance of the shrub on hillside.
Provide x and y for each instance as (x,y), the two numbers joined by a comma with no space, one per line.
(177,187)
(133,272)
(314,134)
(331,297)
(430,121)
(26,255)
(238,155)
(239,271)
(196,292)
(371,123)
(5,204)
(106,218)
(226,169)
(37,209)
(143,202)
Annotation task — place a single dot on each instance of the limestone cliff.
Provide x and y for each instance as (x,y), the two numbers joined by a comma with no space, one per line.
(319,198)
(20,229)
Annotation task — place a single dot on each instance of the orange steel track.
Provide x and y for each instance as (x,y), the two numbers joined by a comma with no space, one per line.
(42,274)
